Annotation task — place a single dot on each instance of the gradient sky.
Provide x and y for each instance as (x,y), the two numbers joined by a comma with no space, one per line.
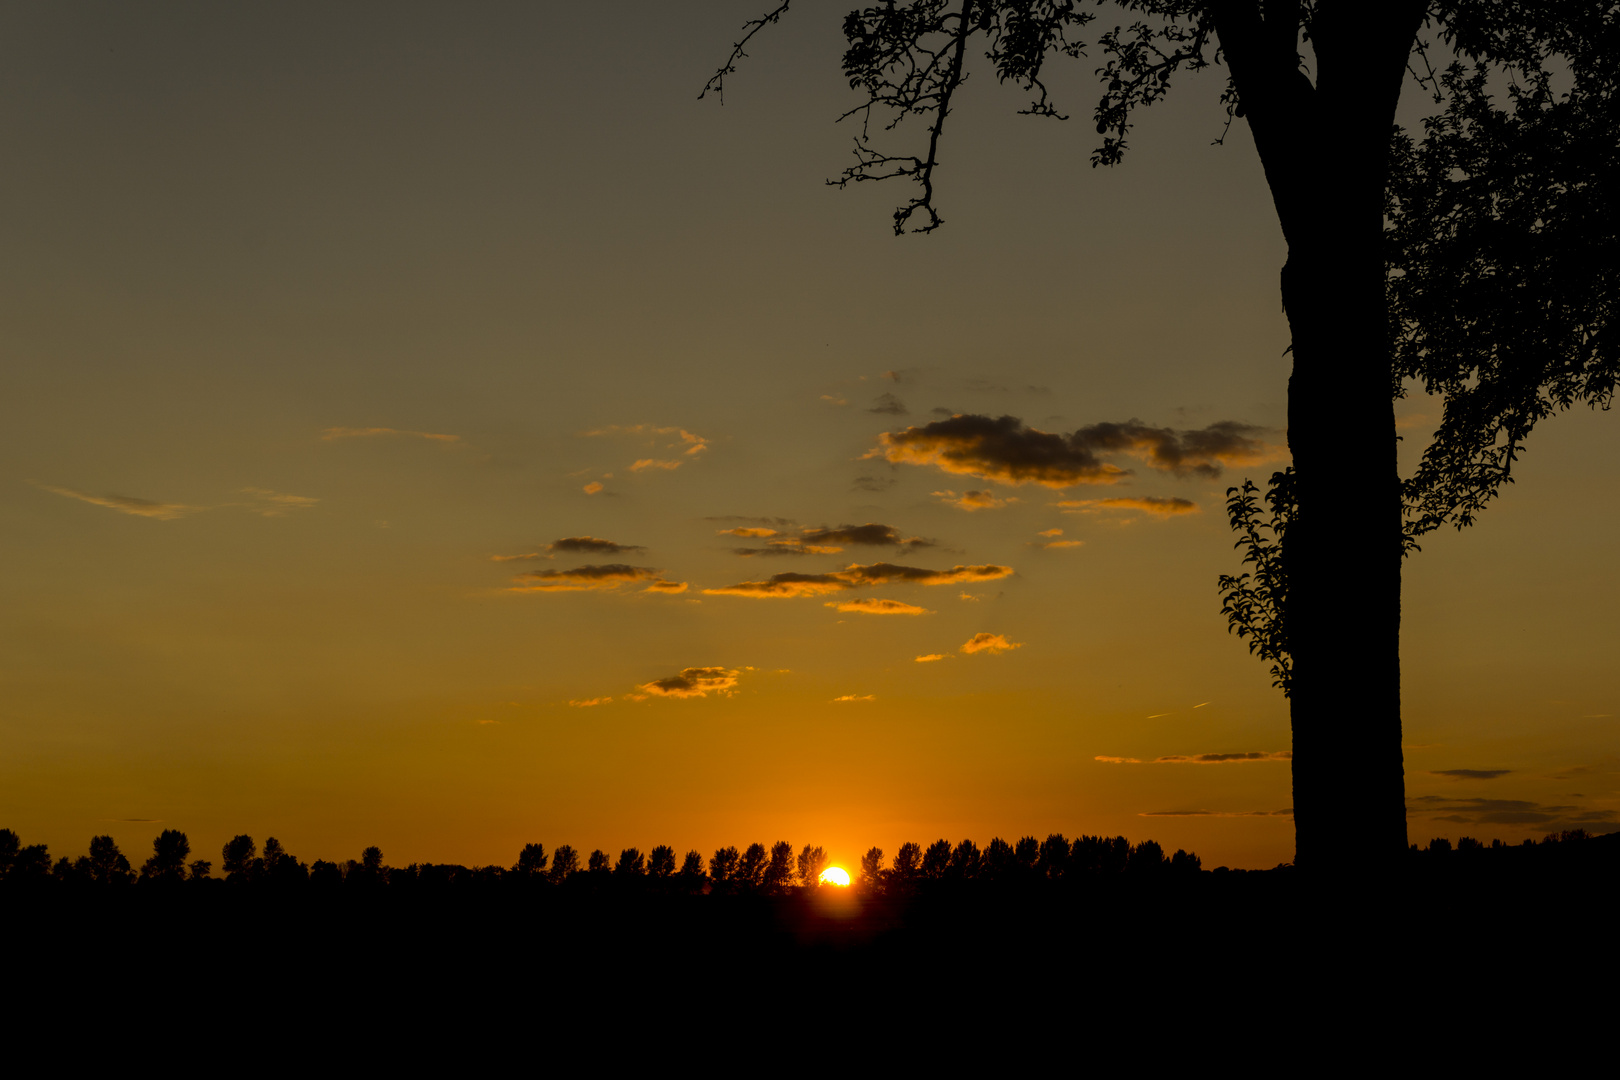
(309,313)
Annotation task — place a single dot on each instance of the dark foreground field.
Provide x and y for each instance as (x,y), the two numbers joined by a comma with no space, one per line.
(1521,933)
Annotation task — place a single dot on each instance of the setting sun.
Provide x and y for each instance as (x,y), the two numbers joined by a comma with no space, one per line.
(835,875)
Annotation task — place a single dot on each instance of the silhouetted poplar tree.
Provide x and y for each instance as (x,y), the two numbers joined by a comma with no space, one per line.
(1500,294)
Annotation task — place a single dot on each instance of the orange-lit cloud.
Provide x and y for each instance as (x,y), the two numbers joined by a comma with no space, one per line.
(1049,533)
(825,540)
(652,463)
(692,444)
(608,576)
(854,697)
(692,682)
(1060,545)
(929,658)
(1470,774)
(748,533)
(973,500)
(874,606)
(1151,504)
(588,702)
(856,575)
(127,504)
(333,433)
(1218,813)
(1118,760)
(1004,450)
(593,487)
(669,587)
(990,643)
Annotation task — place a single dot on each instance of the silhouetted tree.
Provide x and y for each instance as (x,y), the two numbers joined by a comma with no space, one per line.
(1520,198)
(236,857)
(692,869)
(201,869)
(871,875)
(779,871)
(33,864)
(907,863)
(107,865)
(751,867)
(10,845)
(723,867)
(1146,858)
(1026,853)
(168,861)
(661,863)
(998,863)
(965,861)
(632,863)
(1184,863)
(597,863)
(936,859)
(812,861)
(325,875)
(371,860)
(564,862)
(531,860)
(1054,857)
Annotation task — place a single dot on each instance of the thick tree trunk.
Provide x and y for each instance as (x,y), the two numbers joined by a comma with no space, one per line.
(1325,151)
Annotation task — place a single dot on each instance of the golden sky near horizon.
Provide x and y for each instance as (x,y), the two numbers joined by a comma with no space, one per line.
(323,327)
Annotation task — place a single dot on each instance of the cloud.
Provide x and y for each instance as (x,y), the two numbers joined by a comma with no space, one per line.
(1049,533)
(834,399)
(1470,774)
(334,433)
(1004,450)
(1118,760)
(873,606)
(693,682)
(593,487)
(667,587)
(827,541)
(276,503)
(990,643)
(931,657)
(651,463)
(591,545)
(127,504)
(588,702)
(1060,545)
(748,533)
(1508,812)
(609,576)
(1218,813)
(693,444)
(1224,759)
(856,575)
(889,405)
(973,500)
(1151,504)
(773,522)
(854,697)
(868,535)
(874,483)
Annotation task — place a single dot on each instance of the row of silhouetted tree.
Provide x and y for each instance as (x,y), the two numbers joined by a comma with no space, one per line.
(756,868)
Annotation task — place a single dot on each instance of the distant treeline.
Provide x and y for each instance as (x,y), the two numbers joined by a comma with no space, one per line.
(756,869)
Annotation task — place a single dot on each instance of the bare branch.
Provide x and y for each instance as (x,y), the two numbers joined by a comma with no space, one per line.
(752,26)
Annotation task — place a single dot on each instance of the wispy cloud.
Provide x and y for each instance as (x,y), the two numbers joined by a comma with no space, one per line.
(663,586)
(973,500)
(1202,759)
(269,503)
(854,697)
(1004,450)
(588,702)
(1470,774)
(592,488)
(333,433)
(642,464)
(1149,504)
(693,682)
(1218,813)
(874,606)
(889,405)
(689,444)
(989,643)
(856,575)
(929,658)
(826,540)
(126,504)
(1509,812)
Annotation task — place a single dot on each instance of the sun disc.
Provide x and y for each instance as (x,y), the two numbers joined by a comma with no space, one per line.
(835,875)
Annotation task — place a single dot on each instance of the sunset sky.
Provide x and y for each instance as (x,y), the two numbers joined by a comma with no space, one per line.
(340,343)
